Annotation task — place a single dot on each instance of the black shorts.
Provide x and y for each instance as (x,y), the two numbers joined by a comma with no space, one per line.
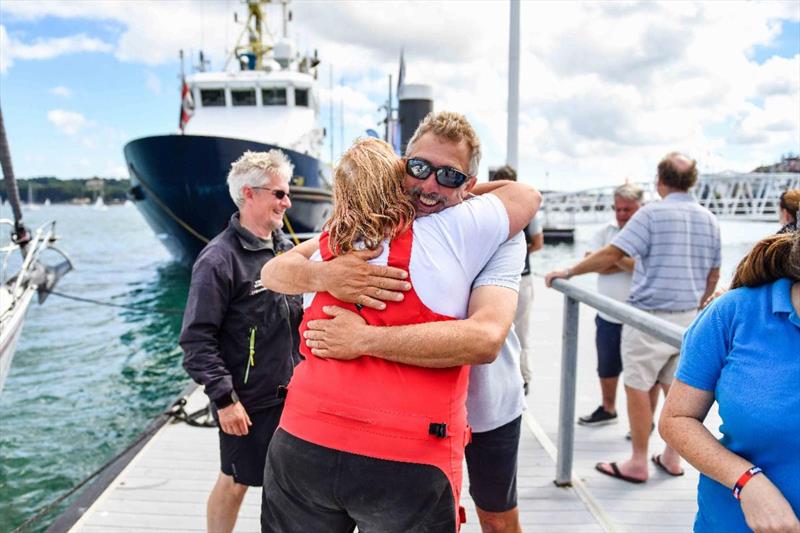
(243,457)
(607,341)
(310,488)
(492,467)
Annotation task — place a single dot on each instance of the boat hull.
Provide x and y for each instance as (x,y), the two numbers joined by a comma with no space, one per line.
(9,334)
(178,183)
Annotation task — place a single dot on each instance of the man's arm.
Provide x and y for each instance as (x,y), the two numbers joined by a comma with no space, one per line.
(598,261)
(537,243)
(206,306)
(474,340)
(711,286)
(521,201)
(348,277)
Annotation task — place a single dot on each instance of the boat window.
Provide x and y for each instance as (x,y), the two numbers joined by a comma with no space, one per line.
(212,97)
(301,97)
(243,97)
(273,96)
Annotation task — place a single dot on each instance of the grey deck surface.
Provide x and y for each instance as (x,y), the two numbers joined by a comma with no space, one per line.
(165,488)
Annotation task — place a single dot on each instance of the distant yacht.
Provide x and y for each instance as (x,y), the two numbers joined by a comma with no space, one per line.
(47,202)
(266,99)
(100,205)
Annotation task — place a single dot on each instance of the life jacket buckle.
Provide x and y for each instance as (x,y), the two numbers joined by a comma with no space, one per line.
(282,391)
(438,430)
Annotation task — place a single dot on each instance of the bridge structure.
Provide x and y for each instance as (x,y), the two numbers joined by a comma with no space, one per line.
(753,196)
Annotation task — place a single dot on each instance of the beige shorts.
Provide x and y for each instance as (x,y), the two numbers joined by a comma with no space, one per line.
(646,360)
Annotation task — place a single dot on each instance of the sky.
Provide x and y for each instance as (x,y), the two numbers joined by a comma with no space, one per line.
(606,88)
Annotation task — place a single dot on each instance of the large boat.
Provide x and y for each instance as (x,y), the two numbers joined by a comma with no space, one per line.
(265,97)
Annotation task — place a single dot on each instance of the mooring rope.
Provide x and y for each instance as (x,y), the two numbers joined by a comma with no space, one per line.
(165,310)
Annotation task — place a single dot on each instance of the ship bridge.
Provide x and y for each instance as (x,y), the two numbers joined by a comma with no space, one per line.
(752,196)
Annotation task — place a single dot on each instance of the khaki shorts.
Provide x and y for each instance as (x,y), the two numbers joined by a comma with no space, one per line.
(646,360)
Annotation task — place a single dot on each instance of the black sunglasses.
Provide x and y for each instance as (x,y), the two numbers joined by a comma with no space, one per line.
(419,168)
(279,194)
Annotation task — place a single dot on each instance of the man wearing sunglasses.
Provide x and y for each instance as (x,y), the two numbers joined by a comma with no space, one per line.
(237,336)
(439,174)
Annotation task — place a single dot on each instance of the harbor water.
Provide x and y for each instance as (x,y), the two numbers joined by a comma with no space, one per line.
(87,378)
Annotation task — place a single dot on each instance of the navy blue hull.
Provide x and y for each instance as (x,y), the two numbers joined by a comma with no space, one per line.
(178,184)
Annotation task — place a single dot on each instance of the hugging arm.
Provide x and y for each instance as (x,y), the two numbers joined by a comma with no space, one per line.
(521,201)
(349,277)
(474,340)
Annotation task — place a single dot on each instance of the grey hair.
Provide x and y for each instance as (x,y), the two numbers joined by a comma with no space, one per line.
(254,169)
(629,191)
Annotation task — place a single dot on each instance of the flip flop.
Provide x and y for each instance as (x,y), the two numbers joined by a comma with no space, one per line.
(615,473)
(657,461)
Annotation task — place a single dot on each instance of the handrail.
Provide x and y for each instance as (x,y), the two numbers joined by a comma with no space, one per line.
(629,315)
(641,320)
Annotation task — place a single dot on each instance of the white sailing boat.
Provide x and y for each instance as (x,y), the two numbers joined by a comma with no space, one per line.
(23,270)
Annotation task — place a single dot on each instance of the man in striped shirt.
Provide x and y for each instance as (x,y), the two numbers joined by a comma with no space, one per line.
(676,245)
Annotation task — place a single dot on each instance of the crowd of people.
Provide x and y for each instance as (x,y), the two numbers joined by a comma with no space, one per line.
(352,375)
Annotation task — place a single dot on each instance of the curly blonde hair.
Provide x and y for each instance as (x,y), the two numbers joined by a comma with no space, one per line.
(369,201)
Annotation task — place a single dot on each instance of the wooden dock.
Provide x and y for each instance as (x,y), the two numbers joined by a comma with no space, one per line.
(164,488)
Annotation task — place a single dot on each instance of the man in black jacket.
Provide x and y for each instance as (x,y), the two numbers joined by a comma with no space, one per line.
(240,339)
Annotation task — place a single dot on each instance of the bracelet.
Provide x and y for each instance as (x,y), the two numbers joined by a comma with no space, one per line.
(742,481)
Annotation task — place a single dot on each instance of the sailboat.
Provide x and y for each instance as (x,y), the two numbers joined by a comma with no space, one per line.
(41,265)
(99,204)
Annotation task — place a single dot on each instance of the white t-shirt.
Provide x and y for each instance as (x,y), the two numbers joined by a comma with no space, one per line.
(449,250)
(617,285)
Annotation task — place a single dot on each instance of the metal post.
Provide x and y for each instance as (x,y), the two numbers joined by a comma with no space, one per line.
(569,370)
(512,139)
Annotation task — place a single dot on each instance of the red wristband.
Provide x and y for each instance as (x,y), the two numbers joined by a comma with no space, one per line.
(742,481)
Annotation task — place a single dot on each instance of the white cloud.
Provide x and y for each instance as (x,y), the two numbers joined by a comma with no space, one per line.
(606,87)
(153,83)
(69,122)
(5,57)
(60,90)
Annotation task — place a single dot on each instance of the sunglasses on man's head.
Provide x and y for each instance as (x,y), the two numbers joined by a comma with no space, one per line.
(279,194)
(419,168)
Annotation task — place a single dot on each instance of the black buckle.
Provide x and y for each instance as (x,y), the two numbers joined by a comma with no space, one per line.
(282,390)
(438,430)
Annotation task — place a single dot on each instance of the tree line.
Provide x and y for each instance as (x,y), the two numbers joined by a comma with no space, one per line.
(77,190)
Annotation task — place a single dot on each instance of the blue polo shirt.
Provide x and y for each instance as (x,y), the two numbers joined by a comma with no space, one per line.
(745,347)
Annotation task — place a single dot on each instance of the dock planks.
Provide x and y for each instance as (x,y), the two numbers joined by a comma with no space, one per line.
(164,489)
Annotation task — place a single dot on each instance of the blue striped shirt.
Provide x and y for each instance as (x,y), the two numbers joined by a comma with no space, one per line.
(675,243)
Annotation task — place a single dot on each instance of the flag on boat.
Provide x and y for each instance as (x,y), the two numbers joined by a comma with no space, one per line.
(187,105)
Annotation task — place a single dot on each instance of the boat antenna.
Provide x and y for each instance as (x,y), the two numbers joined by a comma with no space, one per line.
(255,28)
(21,235)
(512,138)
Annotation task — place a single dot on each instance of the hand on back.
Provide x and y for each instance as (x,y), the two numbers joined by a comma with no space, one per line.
(351,279)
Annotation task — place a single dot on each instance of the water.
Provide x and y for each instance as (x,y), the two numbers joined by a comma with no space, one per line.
(87,379)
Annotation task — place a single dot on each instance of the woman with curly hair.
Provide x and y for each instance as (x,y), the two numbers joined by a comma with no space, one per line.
(743,352)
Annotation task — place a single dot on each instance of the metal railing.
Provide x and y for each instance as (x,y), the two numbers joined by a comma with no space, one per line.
(573,295)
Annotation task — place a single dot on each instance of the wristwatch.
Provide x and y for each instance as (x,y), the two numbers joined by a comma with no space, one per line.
(226,400)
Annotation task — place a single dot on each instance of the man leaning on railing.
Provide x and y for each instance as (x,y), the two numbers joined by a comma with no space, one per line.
(676,244)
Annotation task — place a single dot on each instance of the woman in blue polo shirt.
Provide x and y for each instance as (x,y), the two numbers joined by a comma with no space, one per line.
(743,352)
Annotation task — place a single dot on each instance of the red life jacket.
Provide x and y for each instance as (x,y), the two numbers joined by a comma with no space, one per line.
(378,408)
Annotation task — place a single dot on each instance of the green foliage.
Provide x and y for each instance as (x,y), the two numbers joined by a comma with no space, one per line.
(72,190)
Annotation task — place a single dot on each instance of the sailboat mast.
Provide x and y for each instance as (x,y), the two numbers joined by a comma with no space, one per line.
(11,183)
